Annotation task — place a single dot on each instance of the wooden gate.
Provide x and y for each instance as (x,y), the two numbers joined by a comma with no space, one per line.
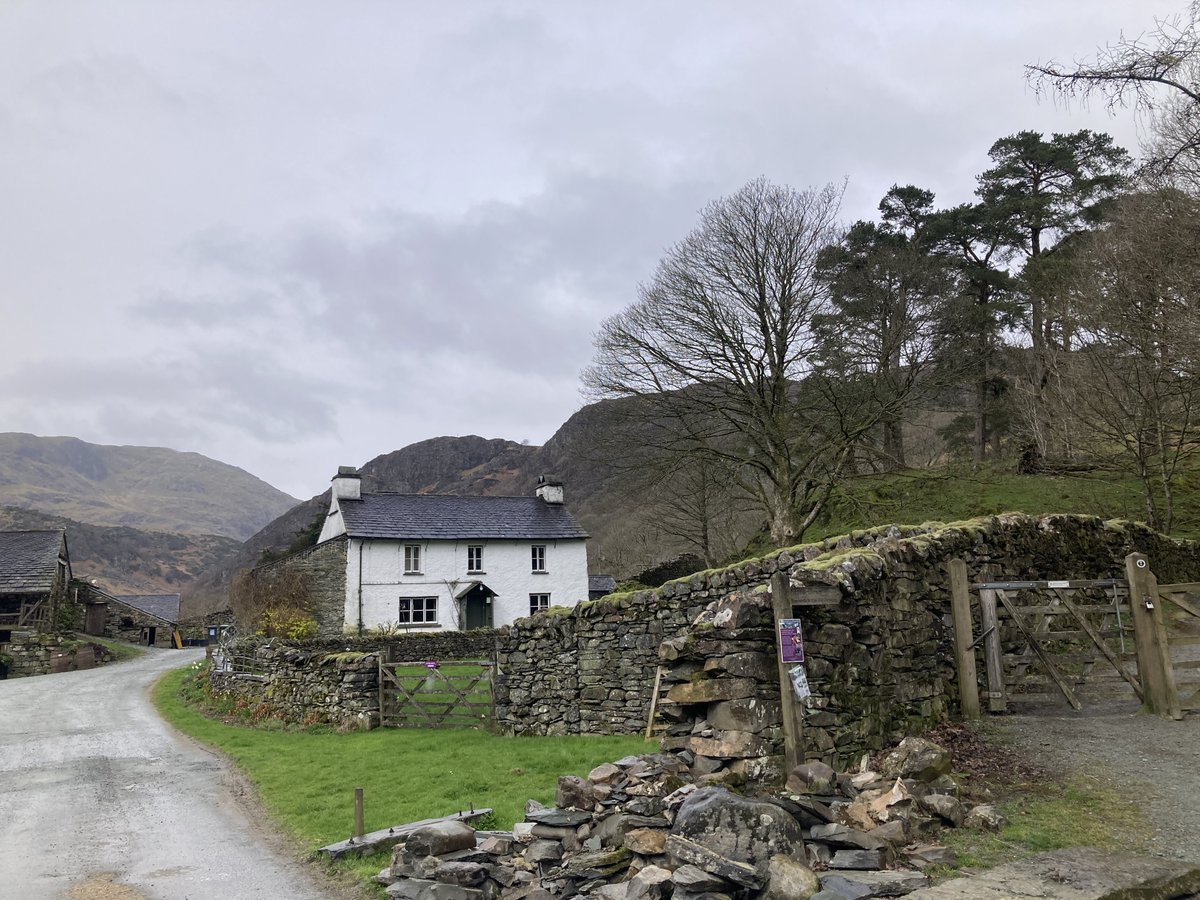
(435,695)
(1071,639)
(1181,609)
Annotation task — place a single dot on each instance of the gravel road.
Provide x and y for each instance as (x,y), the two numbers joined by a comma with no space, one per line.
(101,799)
(1152,761)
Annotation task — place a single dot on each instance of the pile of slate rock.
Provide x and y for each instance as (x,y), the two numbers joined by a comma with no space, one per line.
(648,828)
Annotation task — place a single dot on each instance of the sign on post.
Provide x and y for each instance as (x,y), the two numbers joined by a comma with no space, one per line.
(791,641)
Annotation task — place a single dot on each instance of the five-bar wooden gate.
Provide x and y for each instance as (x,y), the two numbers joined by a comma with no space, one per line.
(435,695)
(1074,639)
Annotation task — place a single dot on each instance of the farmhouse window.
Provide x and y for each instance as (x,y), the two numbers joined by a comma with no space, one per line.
(538,557)
(538,602)
(412,559)
(475,559)
(418,610)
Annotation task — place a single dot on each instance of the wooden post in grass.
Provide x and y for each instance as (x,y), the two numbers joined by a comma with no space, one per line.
(1150,635)
(793,737)
(989,621)
(964,653)
(359,825)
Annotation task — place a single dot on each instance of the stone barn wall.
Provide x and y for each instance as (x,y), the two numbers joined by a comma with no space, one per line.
(879,663)
(128,623)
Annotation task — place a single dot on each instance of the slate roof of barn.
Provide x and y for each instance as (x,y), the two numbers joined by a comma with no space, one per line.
(601,584)
(161,606)
(452,517)
(29,560)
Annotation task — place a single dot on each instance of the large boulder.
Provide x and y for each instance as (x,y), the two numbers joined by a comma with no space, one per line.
(738,829)
(917,758)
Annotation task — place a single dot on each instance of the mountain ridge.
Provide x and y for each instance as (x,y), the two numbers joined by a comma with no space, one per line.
(148,488)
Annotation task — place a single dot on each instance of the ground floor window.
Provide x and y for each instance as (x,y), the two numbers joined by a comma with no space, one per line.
(418,610)
(538,602)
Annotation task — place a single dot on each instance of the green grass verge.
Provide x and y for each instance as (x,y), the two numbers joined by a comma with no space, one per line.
(1079,812)
(306,778)
(119,649)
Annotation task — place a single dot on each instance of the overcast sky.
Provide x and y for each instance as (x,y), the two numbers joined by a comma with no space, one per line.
(292,235)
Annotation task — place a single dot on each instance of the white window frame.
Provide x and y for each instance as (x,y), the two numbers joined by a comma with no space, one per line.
(538,603)
(475,550)
(537,558)
(412,559)
(420,611)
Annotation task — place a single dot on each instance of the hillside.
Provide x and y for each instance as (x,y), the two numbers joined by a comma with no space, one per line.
(150,488)
(128,560)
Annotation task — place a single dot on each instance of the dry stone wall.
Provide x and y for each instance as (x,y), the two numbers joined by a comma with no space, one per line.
(331,681)
(879,663)
(29,653)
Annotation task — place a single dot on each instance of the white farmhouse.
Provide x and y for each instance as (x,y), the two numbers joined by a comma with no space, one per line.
(436,561)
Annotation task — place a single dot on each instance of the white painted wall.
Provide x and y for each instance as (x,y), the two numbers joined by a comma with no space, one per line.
(507,570)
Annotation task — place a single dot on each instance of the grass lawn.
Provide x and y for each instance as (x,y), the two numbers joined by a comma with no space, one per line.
(306,779)
(119,649)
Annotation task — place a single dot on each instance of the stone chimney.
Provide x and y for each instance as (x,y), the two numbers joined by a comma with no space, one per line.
(347,483)
(550,490)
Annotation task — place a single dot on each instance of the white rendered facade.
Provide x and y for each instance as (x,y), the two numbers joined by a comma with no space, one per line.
(374,598)
(487,561)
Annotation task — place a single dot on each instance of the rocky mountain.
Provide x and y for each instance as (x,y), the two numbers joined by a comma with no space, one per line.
(128,560)
(147,488)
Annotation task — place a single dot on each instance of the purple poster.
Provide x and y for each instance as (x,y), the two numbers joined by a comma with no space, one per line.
(791,641)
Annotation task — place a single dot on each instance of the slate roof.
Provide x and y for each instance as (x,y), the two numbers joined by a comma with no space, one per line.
(29,561)
(601,584)
(161,606)
(446,517)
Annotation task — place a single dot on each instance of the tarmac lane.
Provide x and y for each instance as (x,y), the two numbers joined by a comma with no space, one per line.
(101,800)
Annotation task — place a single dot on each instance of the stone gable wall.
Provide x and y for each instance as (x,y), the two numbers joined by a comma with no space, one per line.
(323,567)
(128,623)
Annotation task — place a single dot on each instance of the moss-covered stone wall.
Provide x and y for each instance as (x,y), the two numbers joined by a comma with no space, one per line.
(879,663)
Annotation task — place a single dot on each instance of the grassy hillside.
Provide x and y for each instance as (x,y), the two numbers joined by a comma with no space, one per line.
(140,487)
(961,492)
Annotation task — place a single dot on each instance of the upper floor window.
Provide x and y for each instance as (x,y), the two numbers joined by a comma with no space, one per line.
(475,559)
(418,610)
(412,559)
(538,557)
(538,602)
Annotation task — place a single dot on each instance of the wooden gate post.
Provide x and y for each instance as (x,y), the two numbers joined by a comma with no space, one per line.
(793,735)
(1150,635)
(989,621)
(964,653)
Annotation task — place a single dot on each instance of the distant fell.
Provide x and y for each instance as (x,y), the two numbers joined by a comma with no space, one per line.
(150,488)
(125,560)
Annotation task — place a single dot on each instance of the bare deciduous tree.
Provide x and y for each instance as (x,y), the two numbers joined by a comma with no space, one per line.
(1158,73)
(1135,383)
(720,348)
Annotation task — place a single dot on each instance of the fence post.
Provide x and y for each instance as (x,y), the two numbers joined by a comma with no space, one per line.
(964,653)
(359,823)
(989,621)
(793,736)
(1150,636)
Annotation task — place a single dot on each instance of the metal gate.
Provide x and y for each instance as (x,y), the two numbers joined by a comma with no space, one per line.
(427,694)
